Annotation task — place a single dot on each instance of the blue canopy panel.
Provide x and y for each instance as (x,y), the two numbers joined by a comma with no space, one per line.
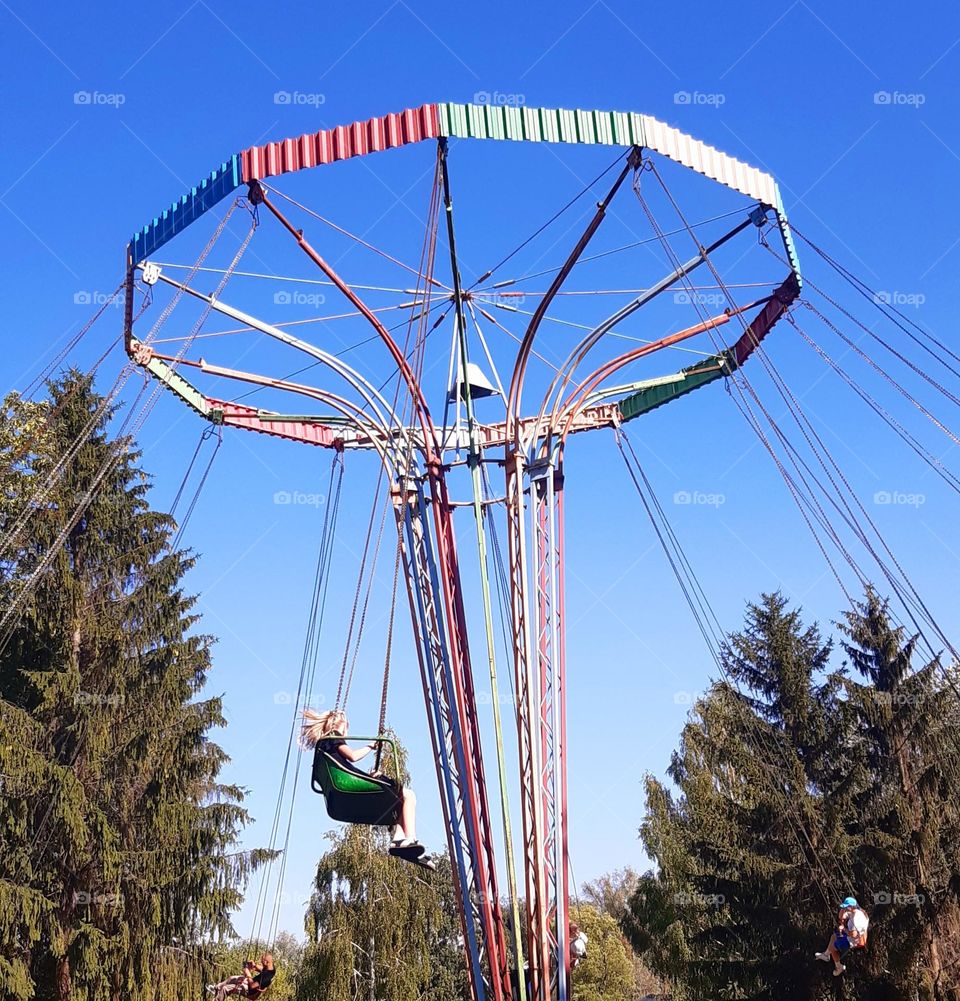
(788,240)
(225,179)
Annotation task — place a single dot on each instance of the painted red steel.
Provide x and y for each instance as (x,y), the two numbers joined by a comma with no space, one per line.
(238,416)
(341,143)
(545,551)
(563,904)
(766,318)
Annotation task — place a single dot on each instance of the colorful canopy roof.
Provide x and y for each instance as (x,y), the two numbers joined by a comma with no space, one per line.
(474,121)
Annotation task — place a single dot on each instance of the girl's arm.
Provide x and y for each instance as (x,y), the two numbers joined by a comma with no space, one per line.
(354,754)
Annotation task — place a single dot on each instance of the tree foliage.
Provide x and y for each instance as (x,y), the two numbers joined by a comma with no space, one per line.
(611,894)
(607,973)
(287,951)
(795,787)
(117,836)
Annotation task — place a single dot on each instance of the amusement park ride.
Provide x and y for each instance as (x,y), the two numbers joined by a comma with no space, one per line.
(527,442)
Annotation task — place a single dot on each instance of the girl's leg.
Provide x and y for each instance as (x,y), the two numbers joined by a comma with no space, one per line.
(835,952)
(406,829)
(830,952)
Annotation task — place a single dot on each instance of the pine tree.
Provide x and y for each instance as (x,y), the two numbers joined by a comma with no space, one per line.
(738,848)
(807,788)
(118,829)
(905,838)
(25,911)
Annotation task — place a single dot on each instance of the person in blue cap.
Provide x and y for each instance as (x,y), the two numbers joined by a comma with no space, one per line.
(851,933)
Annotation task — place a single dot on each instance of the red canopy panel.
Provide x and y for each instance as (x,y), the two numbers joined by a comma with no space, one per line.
(341,143)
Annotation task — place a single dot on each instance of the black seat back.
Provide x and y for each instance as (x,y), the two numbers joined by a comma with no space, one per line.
(352,795)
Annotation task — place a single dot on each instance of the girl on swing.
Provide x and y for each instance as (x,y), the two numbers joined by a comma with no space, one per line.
(328,730)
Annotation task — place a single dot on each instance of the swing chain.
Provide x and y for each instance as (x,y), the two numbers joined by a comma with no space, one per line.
(386,666)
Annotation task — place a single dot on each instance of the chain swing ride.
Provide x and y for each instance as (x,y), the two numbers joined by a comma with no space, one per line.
(421,458)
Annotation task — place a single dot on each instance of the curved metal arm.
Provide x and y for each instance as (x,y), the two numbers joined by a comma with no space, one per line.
(379,434)
(526,345)
(362,386)
(774,306)
(565,375)
(564,416)
(431,443)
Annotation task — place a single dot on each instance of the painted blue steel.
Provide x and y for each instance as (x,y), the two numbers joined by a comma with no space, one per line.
(474,849)
(787,235)
(464,879)
(225,179)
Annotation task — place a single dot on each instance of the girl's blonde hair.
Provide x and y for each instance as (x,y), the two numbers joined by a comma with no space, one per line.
(318,726)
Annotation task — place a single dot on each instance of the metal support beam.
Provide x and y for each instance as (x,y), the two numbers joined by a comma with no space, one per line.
(436,598)
(536,636)
(546,490)
(473,461)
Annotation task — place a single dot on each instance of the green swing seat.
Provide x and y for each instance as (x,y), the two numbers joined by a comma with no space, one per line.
(352,795)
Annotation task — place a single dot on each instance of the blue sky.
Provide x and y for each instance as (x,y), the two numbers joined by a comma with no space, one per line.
(111,113)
